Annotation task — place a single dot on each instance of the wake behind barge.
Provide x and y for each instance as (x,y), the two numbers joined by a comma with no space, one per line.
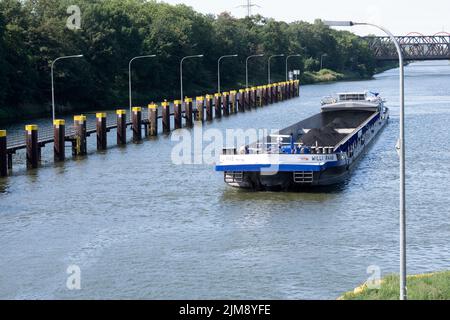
(318,151)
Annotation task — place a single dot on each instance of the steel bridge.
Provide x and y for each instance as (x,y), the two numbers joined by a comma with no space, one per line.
(415,46)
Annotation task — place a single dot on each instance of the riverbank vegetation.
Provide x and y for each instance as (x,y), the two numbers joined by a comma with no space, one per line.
(34,32)
(435,286)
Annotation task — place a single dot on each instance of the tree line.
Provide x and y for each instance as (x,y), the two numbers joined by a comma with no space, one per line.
(34,32)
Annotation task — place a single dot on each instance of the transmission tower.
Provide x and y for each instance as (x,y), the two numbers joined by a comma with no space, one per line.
(249,6)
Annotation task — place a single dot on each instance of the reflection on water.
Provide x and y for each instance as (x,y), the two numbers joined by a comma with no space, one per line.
(141,227)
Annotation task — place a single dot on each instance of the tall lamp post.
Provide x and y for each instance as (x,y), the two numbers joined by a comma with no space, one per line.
(129,75)
(246,66)
(400,149)
(218,68)
(268,68)
(321,60)
(287,58)
(181,71)
(53,86)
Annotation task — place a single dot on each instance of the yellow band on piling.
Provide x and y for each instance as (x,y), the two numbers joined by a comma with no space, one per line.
(121,111)
(80,118)
(208,97)
(101,115)
(153,106)
(59,122)
(177,102)
(241,90)
(31,127)
(188,100)
(247,90)
(226,93)
(2,133)
(165,104)
(200,99)
(217,95)
(233,92)
(137,109)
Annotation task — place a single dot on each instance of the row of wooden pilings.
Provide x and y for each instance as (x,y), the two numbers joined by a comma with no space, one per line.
(206,109)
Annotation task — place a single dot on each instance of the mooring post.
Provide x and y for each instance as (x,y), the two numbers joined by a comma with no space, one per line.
(136,120)
(188,112)
(259,96)
(250,98)
(247,102)
(241,100)
(226,103)
(3,154)
(101,131)
(59,135)
(121,127)
(209,107)
(233,104)
(153,119)
(254,97)
(178,114)
(166,116)
(32,146)
(297,88)
(200,109)
(266,95)
(218,105)
(79,147)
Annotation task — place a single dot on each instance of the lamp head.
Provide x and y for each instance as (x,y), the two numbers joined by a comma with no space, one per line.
(338,23)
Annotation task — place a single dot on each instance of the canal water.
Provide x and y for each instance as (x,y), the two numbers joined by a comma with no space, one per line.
(138,226)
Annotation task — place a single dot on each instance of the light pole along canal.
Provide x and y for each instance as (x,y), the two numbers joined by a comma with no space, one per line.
(287,59)
(181,72)
(129,76)
(268,65)
(246,66)
(218,68)
(400,148)
(53,85)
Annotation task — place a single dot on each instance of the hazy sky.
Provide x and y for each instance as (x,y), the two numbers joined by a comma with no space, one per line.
(400,16)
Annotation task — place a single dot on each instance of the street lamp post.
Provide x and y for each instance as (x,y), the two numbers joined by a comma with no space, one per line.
(287,58)
(218,68)
(246,66)
(129,75)
(321,60)
(268,68)
(181,71)
(53,86)
(400,149)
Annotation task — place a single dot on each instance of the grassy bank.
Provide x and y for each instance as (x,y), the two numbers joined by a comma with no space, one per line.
(434,286)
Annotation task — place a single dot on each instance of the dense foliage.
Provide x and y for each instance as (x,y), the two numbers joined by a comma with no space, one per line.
(34,32)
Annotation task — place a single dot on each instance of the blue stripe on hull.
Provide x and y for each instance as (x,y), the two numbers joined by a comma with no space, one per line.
(280,168)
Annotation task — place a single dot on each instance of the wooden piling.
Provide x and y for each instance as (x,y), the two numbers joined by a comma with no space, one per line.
(153,119)
(79,147)
(226,103)
(136,120)
(3,154)
(178,115)
(121,127)
(241,100)
(233,102)
(259,97)
(32,146)
(253,97)
(200,109)
(102,143)
(166,117)
(188,112)
(209,107)
(59,145)
(218,105)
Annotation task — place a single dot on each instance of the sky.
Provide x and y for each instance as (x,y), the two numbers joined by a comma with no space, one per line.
(399,16)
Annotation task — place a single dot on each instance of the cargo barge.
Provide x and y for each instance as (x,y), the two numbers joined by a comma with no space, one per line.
(319,151)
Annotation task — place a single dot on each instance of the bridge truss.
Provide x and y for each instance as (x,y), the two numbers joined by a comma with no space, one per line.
(414,47)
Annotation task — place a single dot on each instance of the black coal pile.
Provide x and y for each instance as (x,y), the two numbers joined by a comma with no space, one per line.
(324,137)
(340,123)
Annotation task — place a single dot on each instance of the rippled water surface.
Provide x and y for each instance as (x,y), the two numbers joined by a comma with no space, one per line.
(141,227)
